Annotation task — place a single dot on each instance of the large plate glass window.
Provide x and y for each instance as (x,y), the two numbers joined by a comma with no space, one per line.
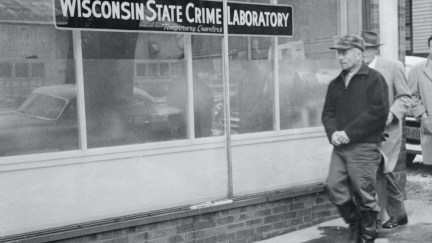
(207,82)
(128,87)
(251,80)
(306,65)
(38,111)
(263,162)
(136,87)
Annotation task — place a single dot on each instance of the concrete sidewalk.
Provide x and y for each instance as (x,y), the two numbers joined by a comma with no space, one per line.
(418,229)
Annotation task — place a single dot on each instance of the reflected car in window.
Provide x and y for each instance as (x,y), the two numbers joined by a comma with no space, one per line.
(47,121)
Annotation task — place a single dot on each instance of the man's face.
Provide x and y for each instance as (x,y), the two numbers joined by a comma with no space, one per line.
(369,54)
(349,58)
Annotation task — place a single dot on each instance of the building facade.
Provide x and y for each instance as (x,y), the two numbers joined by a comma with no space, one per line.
(418,27)
(153,136)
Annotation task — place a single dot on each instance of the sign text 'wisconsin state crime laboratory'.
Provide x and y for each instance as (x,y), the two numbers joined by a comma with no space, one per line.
(190,16)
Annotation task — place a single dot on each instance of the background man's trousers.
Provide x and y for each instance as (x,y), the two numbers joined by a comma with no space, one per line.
(390,196)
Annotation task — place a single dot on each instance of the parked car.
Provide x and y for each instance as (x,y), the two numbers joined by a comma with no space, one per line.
(412,125)
(411,61)
(412,131)
(47,121)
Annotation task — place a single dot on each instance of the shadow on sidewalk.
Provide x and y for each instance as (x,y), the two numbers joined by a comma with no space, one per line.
(420,232)
(418,229)
(331,234)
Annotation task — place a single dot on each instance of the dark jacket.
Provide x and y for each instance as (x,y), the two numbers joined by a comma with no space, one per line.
(360,110)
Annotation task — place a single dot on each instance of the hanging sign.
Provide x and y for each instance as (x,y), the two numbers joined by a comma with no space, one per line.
(188,16)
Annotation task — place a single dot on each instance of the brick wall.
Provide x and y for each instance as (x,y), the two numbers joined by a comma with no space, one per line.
(371,15)
(372,18)
(247,223)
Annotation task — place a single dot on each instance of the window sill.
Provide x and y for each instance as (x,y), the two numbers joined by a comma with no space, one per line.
(33,161)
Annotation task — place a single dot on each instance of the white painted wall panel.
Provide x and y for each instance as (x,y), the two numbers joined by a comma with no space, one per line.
(273,165)
(41,198)
(56,196)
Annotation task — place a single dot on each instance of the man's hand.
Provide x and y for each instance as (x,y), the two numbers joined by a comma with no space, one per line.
(339,137)
(335,139)
(344,137)
(390,118)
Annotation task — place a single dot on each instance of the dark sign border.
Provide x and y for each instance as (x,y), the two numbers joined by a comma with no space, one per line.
(94,24)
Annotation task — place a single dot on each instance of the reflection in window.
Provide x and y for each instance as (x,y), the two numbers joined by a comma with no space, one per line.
(302,88)
(127,98)
(43,106)
(255,97)
(21,70)
(34,97)
(44,122)
(203,107)
(306,64)
(38,70)
(253,94)
(136,87)
(208,86)
(5,70)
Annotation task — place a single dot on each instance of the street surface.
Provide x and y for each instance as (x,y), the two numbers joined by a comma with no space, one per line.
(419,210)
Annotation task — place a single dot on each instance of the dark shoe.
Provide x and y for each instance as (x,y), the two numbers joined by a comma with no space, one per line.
(354,231)
(394,222)
(369,226)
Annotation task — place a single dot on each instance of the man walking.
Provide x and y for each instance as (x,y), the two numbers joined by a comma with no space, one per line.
(390,197)
(354,116)
(420,83)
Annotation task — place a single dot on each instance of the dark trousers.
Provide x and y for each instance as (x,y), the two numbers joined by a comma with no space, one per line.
(352,175)
(351,185)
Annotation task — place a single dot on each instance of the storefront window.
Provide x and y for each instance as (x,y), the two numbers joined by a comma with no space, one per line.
(306,65)
(252,92)
(303,84)
(123,107)
(208,95)
(136,87)
(37,108)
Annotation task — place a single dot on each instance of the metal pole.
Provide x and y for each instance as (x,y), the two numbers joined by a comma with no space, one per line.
(190,83)
(79,80)
(226,90)
(276,104)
